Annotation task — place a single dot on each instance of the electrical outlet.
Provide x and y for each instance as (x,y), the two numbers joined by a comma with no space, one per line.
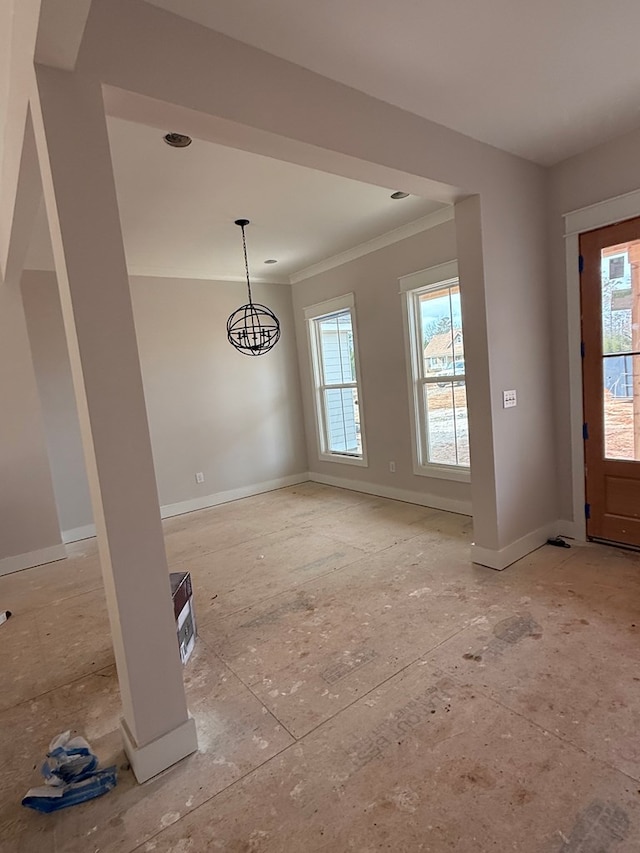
(509,399)
(199,477)
(392,467)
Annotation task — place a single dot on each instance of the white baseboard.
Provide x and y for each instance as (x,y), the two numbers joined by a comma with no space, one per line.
(58,552)
(420,498)
(231,495)
(571,529)
(76,534)
(31,559)
(149,760)
(47,555)
(182,507)
(504,557)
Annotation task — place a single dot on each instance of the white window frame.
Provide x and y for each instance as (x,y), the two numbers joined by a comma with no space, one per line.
(411,286)
(316,312)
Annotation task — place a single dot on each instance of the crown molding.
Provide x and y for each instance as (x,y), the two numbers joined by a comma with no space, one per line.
(151,272)
(438,217)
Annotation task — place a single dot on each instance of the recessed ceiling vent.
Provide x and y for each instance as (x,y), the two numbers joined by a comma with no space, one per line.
(177,140)
(399,194)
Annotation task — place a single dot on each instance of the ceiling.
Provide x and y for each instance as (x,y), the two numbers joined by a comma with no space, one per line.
(178,206)
(544,79)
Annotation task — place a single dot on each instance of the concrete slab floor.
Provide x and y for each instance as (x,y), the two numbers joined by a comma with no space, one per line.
(358,685)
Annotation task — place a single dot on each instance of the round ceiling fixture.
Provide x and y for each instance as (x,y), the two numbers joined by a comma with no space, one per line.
(399,194)
(177,140)
(271,261)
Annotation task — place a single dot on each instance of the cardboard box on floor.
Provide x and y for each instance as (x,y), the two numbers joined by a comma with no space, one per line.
(182,595)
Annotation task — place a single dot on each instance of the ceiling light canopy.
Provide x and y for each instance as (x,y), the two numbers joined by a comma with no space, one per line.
(253,329)
(177,140)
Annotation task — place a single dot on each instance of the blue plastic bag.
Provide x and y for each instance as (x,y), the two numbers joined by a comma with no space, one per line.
(71,776)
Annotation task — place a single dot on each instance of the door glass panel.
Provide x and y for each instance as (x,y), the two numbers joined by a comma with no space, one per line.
(618,298)
(620,291)
(621,384)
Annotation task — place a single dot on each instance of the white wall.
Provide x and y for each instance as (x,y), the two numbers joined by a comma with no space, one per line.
(325,125)
(29,531)
(328,126)
(55,387)
(50,31)
(19,43)
(6,26)
(604,172)
(236,419)
(373,279)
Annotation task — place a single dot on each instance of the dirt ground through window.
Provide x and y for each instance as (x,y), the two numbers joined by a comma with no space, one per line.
(618,427)
(440,398)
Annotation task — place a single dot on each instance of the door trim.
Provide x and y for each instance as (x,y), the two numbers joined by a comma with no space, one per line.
(587,218)
(603,213)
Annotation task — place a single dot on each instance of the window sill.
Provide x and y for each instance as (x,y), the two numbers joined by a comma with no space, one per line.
(344,460)
(444,472)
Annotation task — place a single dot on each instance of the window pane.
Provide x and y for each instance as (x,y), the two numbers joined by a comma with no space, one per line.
(441,328)
(343,421)
(335,335)
(622,407)
(616,299)
(462,423)
(447,423)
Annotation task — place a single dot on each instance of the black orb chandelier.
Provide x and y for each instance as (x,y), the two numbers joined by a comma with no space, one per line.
(253,329)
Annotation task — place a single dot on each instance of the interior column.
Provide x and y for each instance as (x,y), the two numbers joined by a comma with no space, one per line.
(483,482)
(80,197)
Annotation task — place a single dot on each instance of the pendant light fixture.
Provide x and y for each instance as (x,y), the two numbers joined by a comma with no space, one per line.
(253,329)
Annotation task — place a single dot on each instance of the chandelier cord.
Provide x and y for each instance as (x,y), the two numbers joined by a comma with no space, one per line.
(246,264)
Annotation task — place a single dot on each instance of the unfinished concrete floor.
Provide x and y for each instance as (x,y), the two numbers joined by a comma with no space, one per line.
(357,685)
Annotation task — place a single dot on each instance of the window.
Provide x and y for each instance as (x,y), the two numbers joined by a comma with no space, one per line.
(334,356)
(437,372)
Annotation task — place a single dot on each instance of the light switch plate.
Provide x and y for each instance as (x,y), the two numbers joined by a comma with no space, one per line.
(509,399)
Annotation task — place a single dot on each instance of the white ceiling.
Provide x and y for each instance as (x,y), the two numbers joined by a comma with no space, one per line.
(543,79)
(178,206)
